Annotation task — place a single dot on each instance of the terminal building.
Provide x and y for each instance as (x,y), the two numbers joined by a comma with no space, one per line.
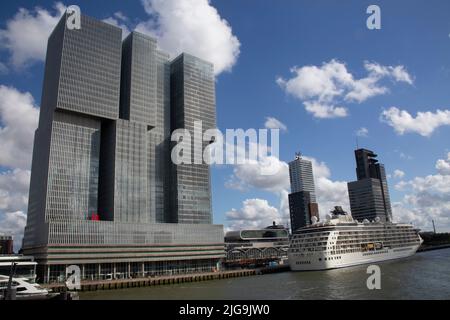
(104,194)
(256,247)
(25,266)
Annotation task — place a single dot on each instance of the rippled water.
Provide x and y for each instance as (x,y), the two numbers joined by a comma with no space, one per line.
(423,276)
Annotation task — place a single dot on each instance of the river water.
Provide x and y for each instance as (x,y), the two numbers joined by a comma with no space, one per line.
(425,275)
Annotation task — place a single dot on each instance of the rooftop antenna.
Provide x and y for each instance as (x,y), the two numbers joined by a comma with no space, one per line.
(357,143)
(298,155)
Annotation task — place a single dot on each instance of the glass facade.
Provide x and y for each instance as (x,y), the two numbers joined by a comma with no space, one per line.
(131,193)
(299,209)
(369,195)
(192,99)
(90,69)
(301,177)
(125,270)
(102,182)
(366,199)
(139,83)
(72,190)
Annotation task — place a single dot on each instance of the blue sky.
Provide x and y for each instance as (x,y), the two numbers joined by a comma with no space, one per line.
(275,36)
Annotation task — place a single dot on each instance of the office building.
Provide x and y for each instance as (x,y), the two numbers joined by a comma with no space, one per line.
(369,195)
(302,199)
(102,183)
(192,99)
(301,176)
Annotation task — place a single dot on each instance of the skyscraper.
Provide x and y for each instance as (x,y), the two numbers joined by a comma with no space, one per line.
(301,176)
(192,97)
(102,180)
(369,195)
(302,199)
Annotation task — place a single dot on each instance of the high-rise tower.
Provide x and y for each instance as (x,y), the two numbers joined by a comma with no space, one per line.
(193,99)
(302,199)
(369,195)
(102,180)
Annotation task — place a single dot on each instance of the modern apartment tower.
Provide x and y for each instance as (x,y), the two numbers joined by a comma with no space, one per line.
(369,195)
(302,199)
(104,194)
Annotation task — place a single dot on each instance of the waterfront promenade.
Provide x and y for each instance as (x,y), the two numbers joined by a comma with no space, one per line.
(93,285)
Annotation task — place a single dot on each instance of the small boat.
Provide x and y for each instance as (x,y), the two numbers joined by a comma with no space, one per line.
(24,289)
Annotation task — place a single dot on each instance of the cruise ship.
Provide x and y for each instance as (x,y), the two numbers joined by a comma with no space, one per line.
(341,241)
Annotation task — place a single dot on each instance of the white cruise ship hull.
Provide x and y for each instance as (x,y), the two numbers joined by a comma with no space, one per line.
(323,261)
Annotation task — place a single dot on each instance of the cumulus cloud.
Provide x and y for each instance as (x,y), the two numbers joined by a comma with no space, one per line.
(273,123)
(324,111)
(13,203)
(18,120)
(443,165)
(121,21)
(424,123)
(14,190)
(192,26)
(323,89)
(25,36)
(426,198)
(254,214)
(249,175)
(328,192)
(13,223)
(362,132)
(399,174)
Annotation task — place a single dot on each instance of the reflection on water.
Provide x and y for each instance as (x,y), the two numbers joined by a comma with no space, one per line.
(424,276)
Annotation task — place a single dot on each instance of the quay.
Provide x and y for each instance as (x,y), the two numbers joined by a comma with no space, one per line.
(93,285)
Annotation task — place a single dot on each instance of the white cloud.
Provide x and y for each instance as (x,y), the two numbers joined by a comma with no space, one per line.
(26,34)
(18,120)
(250,175)
(254,214)
(324,111)
(426,198)
(192,26)
(328,192)
(399,173)
(323,88)
(121,21)
(273,123)
(443,166)
(399,73)
(14,190)
(13,223)
(424,123)
(362,132)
